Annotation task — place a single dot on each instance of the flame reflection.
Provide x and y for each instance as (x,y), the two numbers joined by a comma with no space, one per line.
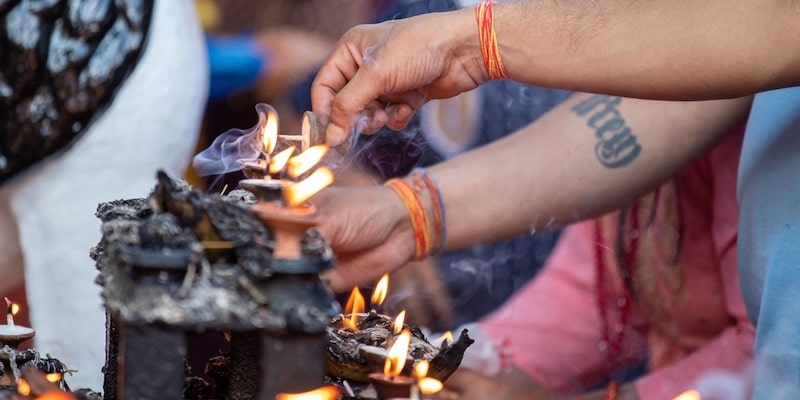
(421,369)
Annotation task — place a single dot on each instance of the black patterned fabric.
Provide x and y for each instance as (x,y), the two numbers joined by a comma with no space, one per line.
(61,61)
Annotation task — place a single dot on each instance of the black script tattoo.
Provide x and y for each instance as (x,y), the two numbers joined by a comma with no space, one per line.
(617,146)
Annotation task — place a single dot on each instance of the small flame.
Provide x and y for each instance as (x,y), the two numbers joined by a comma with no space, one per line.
(55,395)
(322,393)
(396,359)
(446,338)
(53,377)
(429,386)
(296,193)
(301,163)
(399,320)
(278,161)
(269,133)
(355,305)
(421,369)
(23,387)
(227,336)
(688,395)
(379,294)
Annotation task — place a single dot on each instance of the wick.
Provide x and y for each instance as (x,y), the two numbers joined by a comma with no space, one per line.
(9,312)
(224,188)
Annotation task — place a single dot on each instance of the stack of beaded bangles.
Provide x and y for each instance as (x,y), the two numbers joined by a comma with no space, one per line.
(488,40)
(429,231)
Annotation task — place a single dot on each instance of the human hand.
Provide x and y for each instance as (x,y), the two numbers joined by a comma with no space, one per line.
(381,74)
(369,230)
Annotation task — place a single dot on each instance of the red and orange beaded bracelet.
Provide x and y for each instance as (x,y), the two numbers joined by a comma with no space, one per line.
(490,50)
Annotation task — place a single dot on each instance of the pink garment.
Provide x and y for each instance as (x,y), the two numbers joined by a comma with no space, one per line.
(689,319)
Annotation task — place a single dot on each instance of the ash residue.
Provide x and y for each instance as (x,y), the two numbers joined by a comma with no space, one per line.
(199,261)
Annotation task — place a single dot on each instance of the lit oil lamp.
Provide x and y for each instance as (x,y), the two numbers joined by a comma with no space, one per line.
(11,334)
(390,383)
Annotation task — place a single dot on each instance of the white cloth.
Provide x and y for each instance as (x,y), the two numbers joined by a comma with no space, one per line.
(153,122)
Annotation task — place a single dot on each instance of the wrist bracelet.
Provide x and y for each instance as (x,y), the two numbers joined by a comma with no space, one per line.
(487,37)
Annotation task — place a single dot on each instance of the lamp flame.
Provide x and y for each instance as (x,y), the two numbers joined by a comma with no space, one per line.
(446,338)
(421,369)
(53,377)
(55,395)
(429,386)
(322,393)
(396,359)
(278,161)
(301,163)
(688,395)
(379,294)
(296,193)
(269,133)
(23,387)
(355,305)
(399,320)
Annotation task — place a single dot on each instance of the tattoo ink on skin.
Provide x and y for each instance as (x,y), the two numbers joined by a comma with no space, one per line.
(617,146)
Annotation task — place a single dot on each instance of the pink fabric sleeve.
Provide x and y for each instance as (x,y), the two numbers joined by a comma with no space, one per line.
(551,327)
(732,349)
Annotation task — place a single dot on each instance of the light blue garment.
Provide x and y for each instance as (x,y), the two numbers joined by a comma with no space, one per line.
(769,239)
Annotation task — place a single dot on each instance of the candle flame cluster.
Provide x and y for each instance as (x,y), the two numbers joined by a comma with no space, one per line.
(296,191)
(399,341)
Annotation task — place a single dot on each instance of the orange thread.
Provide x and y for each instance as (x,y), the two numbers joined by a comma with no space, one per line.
(419,221)
(487,37)
(421,177)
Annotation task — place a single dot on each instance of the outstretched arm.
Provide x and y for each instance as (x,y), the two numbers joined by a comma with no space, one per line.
(590,155)
(677,50)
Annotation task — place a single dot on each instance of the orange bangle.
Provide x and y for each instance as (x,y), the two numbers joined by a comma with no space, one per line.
(439,232)
(488,40)
(419,222)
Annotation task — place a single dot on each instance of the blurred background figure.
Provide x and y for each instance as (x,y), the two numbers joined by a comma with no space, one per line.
(117,93)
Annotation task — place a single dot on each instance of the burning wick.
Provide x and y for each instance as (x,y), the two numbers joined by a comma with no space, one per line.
(397,328)
(12,334)
(390,383)
(379,293)
(426,385)
(443,340)
(354,307)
